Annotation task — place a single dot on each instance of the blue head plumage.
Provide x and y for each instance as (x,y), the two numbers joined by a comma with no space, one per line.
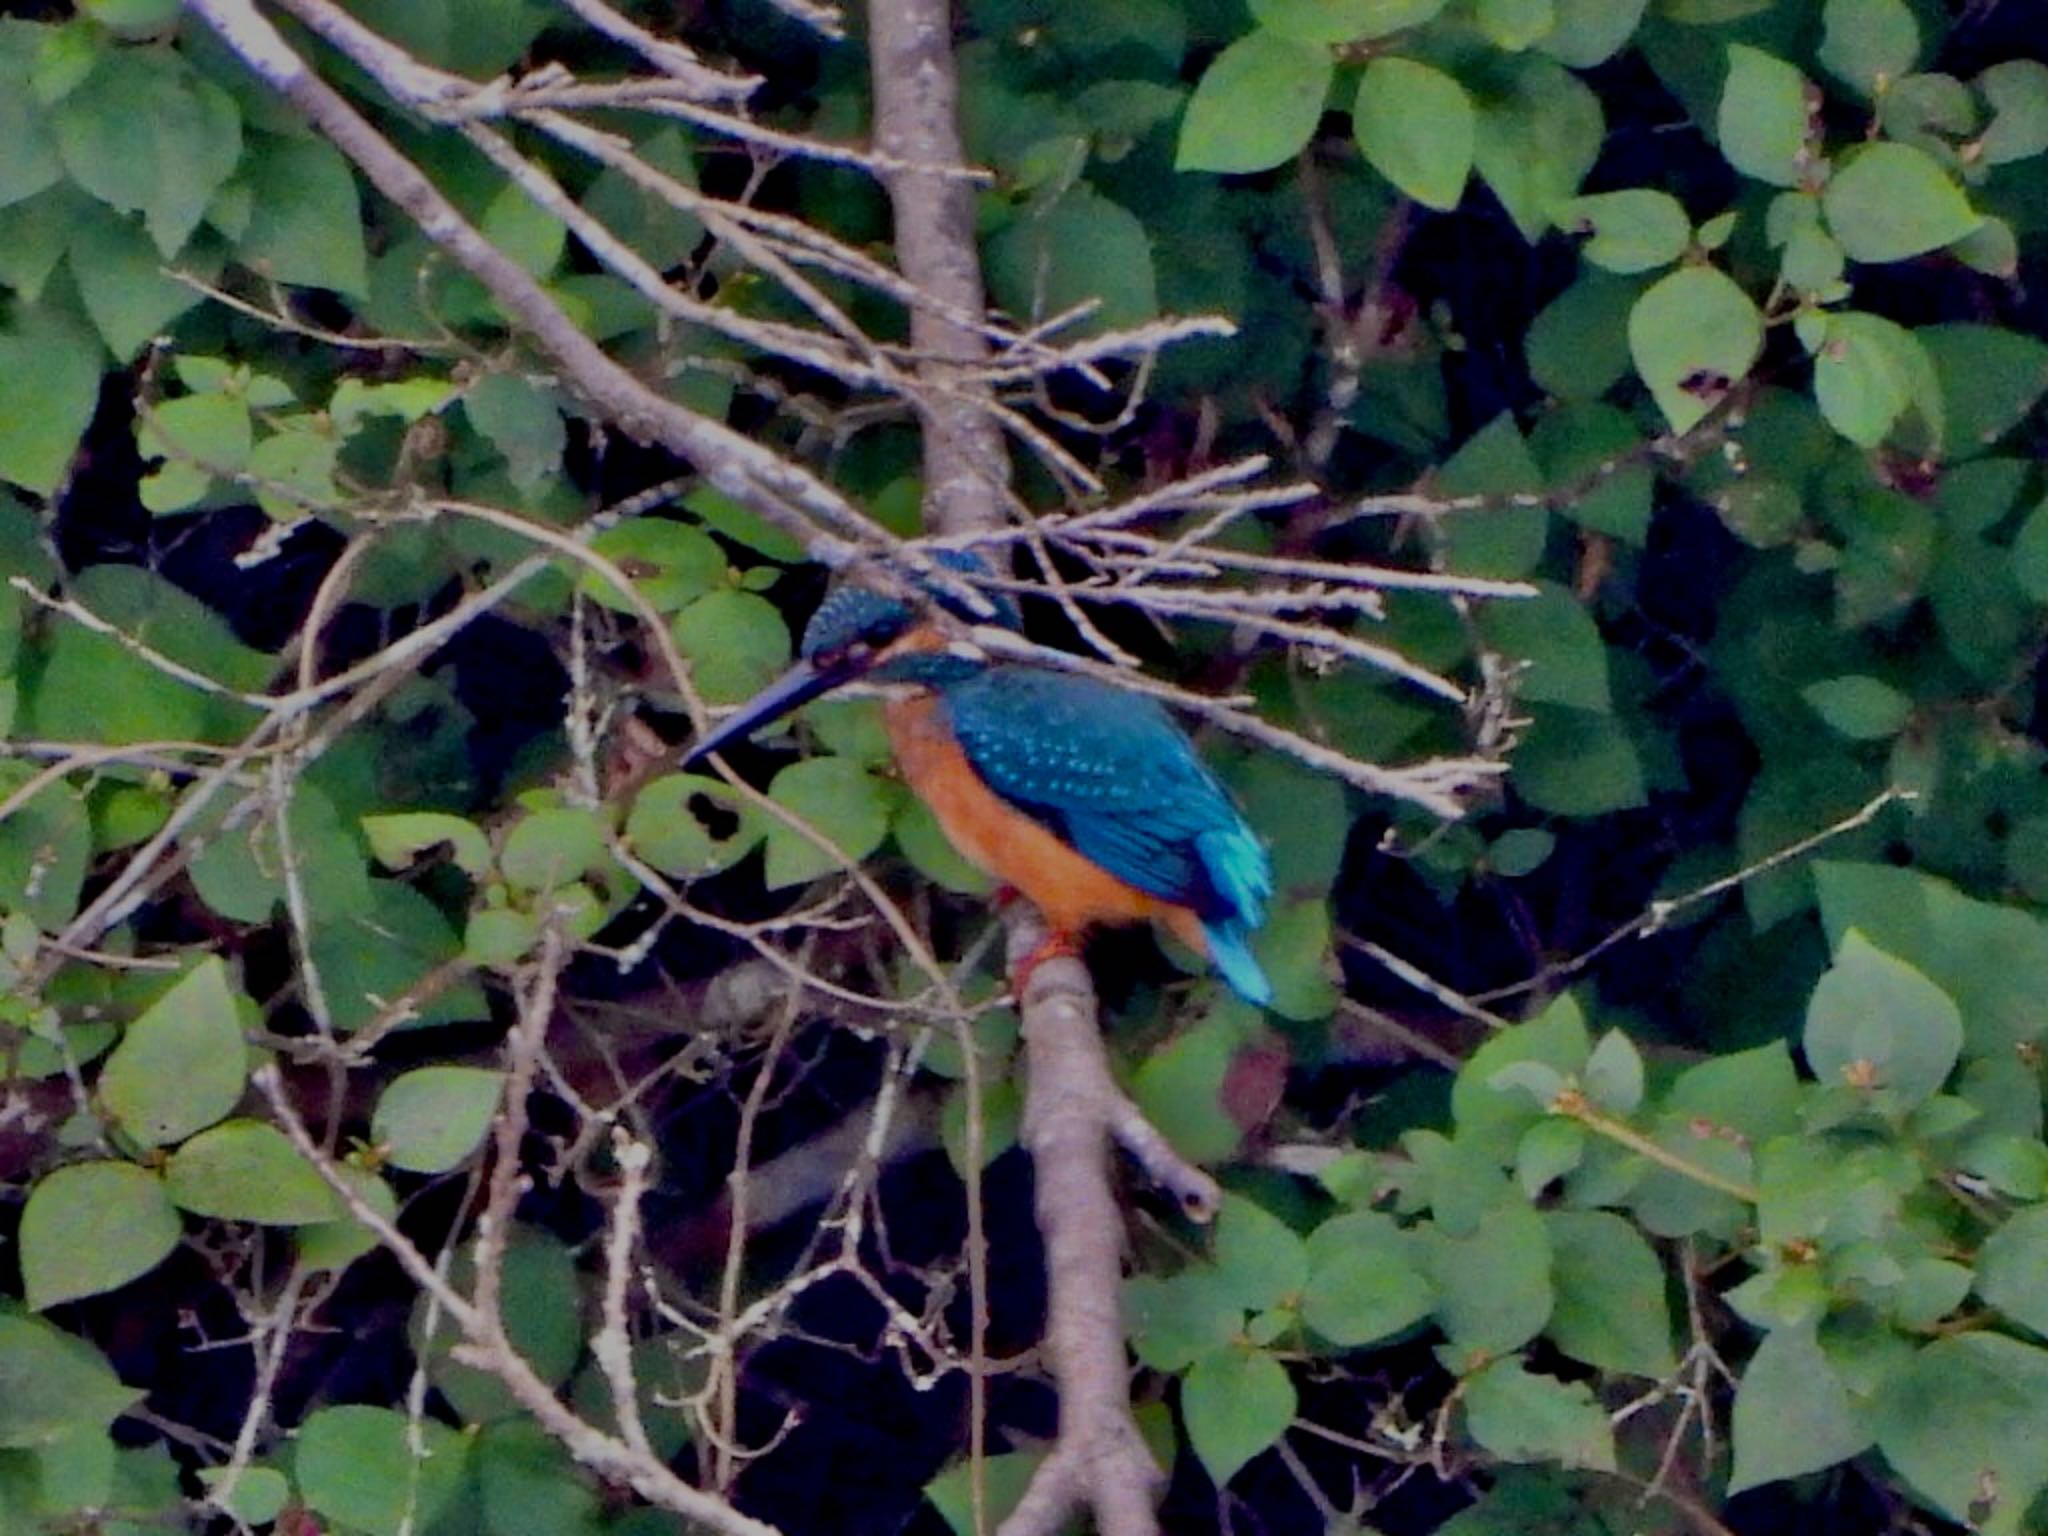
(855,622)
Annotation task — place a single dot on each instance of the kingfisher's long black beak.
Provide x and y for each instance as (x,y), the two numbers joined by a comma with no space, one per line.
(795,688)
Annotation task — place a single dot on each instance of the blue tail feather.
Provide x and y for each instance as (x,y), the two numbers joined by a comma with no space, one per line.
(1230,950)
(1237,865)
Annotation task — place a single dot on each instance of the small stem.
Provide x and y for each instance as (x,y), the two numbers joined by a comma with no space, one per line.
(1573,1104)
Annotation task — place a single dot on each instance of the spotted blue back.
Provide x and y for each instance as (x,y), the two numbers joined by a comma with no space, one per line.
(1110,773)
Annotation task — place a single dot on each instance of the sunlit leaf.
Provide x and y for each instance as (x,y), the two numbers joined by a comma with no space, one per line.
(1256,104)
(93,1227)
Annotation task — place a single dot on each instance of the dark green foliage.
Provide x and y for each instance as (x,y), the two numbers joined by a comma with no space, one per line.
(1715,320)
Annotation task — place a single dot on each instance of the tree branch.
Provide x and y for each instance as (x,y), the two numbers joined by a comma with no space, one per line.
(784,493)
(1073,1106)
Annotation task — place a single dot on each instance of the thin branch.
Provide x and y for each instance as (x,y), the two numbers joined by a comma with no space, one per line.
(784,493)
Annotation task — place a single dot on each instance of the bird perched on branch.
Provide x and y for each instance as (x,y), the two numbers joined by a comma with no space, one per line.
(1084,797)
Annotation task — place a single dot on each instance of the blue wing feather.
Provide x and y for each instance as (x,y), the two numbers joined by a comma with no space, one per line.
(1110,772)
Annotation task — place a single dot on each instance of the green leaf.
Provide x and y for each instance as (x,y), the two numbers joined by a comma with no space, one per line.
(672,563)
(1766,118)
(1180,1088)
(1001,1110)
(1494,541)
(91,688)
(294,473)
(431,1119)
(1256,105)
(1859,707)
(550,848)
(1962,1425)
(542,1301)
(131,16)
(1991,248)
(841,800)
(1549,1149)
(1611,1309)
(1536,140)
(1694,335)
(1178,1320)
(522,421)
(529,1484)
(53,1386)
(1519,1415)
(1259,1259)
(1990,958)
(246,1170)
(1614,1074)
(523,230)
(1590,32)
(1573,763)
(1869,44)
(181,1066)
(1342,21)
(922,841)
(334,1245)
(736,643)
(30,164)
(1493,1287)
(2017,91)
(1495,1118)
(1236,1403)
(1294,949)
(1890,201)
(2010,1267)
(1792,1413)
(146,134)
(306,220)
(1558,641)
(357,1467)
(1593,452)
(1004,1480)
(49,384)
(46,845)
(33,237)
(2030,554)
(1869,371)
(1813,261)
(1363,1285)
(1515,24)
(93,1227)
(664,234)
(59,57)
(119,276)
(1521,851)
(1085,249)
(1991,378)
(687,825)
(749,529)
(259,1493)
(202,435)
(1577,346)
(240,874)
(1633,231)
(354,402)
(398,840)
(1875,1020)
(1415,126)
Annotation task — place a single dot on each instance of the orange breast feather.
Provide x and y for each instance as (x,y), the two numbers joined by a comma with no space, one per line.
(1073,893)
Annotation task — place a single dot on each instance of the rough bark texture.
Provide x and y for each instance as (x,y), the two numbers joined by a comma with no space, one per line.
(1072,1102)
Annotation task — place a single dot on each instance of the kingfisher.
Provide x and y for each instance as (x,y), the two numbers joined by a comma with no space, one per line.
(1085,798)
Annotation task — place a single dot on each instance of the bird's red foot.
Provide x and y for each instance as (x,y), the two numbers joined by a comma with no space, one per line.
(1052,947)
